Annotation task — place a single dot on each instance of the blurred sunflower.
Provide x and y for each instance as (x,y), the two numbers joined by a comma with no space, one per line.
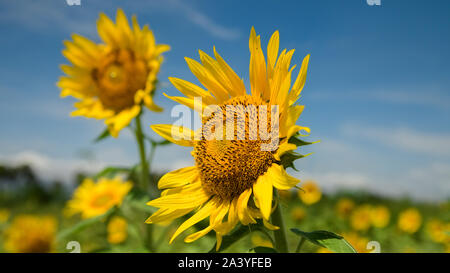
(4,215)
(310,193)
(344,207)
(285,195)
(380,216)
(409,220)
(31,234)
(117,230)
(113,79)
(360,218)
(298,213)
(438,231)
(92,199)
(358,242)
(234,177)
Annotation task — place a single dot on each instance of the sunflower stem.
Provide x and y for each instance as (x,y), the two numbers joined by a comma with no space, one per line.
(144,165)
(279,234)
(144,174)
(300,244)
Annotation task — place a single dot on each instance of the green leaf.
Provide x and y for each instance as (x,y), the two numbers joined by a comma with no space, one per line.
(111,172)
(105,134)
(263,249)
(333,242)
(83,224)
(298,142)
(287,159)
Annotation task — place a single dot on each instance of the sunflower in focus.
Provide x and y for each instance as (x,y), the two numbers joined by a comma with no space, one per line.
(117,230)
(409,220)
(360,218)
(113,79)
(92,199)
(31,234)
(310,193)
(233,181)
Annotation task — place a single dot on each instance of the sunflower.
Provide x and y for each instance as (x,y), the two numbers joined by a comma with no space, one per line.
(409,220)
(380,216)
(233,180)
(113,79)
(310,193)
(92,199)
(438,231)
(31,234)
(360,218)
(117,230)
(298,213)
(344,207)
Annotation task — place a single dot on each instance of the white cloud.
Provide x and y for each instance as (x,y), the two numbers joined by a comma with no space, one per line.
(333,181)
(51,169)
(434,144)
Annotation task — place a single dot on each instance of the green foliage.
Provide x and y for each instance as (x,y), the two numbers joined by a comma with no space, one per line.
(329,240)
(83,224)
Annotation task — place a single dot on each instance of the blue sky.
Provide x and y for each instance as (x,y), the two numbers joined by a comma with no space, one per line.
(377,93)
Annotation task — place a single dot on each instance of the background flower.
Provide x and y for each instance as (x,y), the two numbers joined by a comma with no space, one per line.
(31,234)
(95,198)
(113,79)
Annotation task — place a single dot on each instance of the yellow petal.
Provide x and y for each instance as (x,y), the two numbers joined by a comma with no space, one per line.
(217,216)
(269,226)
(191,90)
(299,82)
(280,178)
(263,191)
(172,133)
(205,77)
(189,102)
(178,178)
(204,212)
(107,30)
(284,148)
(122,119)
(191,196)
(197,235)
(272,50)
(258,77)
(242,210)
(238,84)
(163,215)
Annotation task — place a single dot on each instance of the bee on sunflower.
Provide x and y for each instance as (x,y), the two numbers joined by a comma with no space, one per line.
(234,181)
(113,79)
